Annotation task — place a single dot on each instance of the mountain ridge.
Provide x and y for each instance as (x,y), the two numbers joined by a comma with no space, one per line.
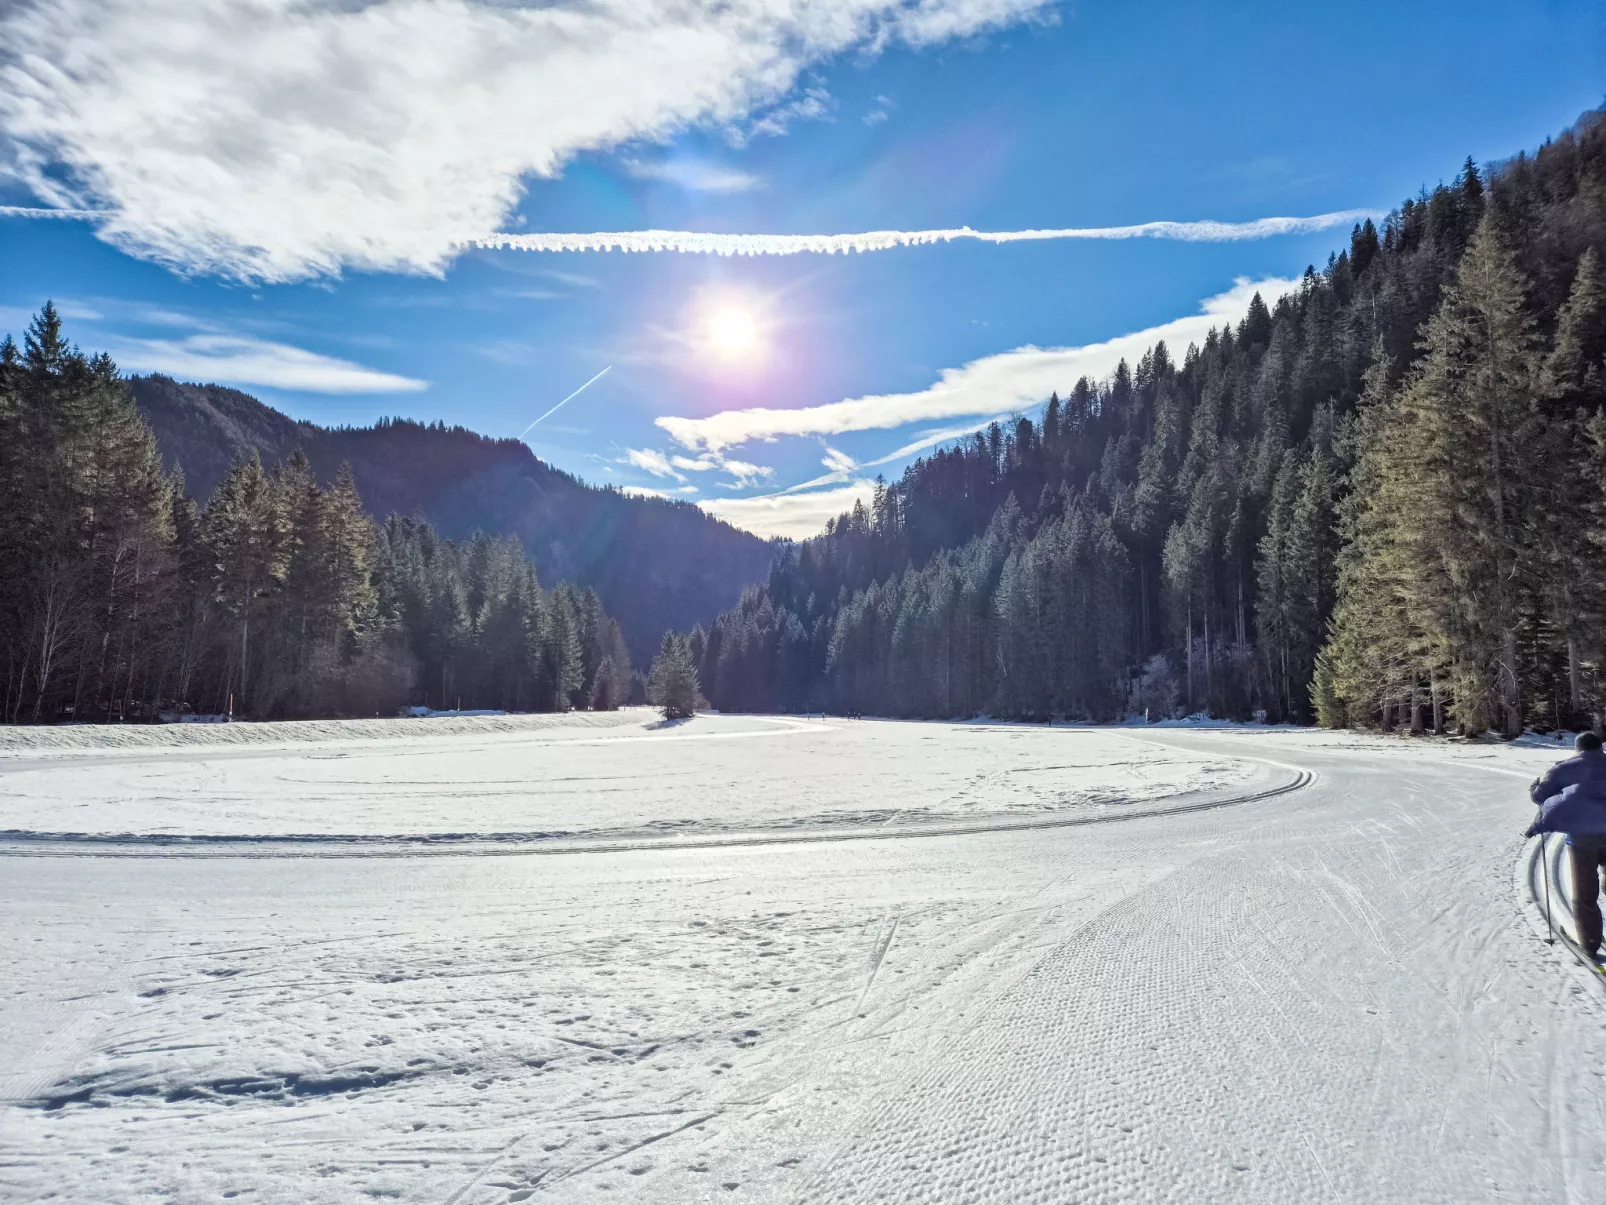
(656,564)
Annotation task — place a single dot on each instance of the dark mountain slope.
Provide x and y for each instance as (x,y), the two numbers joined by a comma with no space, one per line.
(655,564)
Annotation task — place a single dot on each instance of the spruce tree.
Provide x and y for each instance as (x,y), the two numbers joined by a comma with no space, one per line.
(672,684)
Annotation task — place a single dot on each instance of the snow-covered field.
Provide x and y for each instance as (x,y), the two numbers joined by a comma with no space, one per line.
(747,959)
(619,775)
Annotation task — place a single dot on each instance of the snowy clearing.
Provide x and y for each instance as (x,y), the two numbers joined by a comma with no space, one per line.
(1339,992)
(636,777)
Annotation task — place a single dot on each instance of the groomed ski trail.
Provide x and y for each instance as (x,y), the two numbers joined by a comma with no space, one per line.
(1338,993)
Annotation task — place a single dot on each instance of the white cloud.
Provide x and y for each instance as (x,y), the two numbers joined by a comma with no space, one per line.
(702,464)
(281,139)
(694,175)
(642,491)
(792,516)
(651,461)
(702,243)
(242,360)
(744,473)
(1007,381)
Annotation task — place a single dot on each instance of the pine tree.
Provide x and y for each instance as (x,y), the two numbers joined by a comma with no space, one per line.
(1570,515)
(1446,536)
(84,533)
(248,535)
(672,684)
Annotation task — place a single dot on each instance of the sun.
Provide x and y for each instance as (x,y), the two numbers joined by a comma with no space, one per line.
(733,332)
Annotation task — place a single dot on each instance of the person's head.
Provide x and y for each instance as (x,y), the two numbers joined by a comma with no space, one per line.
(1587,742)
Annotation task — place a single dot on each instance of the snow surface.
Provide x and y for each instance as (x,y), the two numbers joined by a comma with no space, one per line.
(641,777)
(1339,992)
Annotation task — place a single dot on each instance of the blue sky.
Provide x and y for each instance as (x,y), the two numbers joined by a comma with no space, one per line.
(284,197)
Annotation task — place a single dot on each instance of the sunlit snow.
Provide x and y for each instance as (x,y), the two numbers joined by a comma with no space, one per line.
(781,959)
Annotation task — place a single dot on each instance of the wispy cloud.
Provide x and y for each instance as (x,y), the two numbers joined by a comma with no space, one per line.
(650,461)
(930,439)
(43,213)
(506,351)
(814,105)
(16,317)
(744,474)
(279,141)
(839,467)
(792,516)
(242,360)
(1007,381)
(695,175)
(701,243)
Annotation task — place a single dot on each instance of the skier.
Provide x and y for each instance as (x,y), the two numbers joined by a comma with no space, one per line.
(1572,799)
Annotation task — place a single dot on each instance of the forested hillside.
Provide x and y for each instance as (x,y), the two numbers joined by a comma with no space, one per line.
(1377,500)
(120,596)
(655,564)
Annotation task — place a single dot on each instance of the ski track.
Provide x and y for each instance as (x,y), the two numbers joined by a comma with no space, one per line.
(1336,989)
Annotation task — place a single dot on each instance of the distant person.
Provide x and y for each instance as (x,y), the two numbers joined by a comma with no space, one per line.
(1572,799)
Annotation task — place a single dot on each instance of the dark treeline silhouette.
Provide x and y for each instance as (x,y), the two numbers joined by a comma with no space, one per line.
(656,564)
(1376,501)
(121,597)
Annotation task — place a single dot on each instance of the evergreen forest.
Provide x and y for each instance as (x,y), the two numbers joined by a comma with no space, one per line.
(1378,500)
(656,564)
(121,597)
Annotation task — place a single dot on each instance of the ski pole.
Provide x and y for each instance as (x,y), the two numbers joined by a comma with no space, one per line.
(1544,862)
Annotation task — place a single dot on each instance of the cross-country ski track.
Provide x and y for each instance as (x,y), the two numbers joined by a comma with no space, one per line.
(788,960)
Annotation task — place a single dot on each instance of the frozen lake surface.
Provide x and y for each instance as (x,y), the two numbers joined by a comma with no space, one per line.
(770,959)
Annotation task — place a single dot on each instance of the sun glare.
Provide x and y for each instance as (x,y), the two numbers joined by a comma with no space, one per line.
(734,333)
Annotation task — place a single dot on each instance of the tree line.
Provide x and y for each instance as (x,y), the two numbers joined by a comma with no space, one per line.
(122,597)
(1376,501)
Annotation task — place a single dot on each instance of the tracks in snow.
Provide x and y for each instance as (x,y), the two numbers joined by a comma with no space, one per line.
(1531,870)
(18,843)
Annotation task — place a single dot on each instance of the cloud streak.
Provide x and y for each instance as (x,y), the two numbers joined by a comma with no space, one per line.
(242,360)
(699,243)
(1009,380)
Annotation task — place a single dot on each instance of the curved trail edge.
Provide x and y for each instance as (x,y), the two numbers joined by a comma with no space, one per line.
(17,843)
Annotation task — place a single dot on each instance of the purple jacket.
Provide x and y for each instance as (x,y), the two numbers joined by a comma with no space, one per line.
(1572,797)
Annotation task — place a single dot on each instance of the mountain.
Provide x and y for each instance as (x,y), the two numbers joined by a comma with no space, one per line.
(655,564)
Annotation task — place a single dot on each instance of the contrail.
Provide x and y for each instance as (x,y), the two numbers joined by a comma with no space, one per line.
(699,243)
(565,401)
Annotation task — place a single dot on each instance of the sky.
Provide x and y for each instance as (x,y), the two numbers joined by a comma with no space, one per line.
(354,210)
